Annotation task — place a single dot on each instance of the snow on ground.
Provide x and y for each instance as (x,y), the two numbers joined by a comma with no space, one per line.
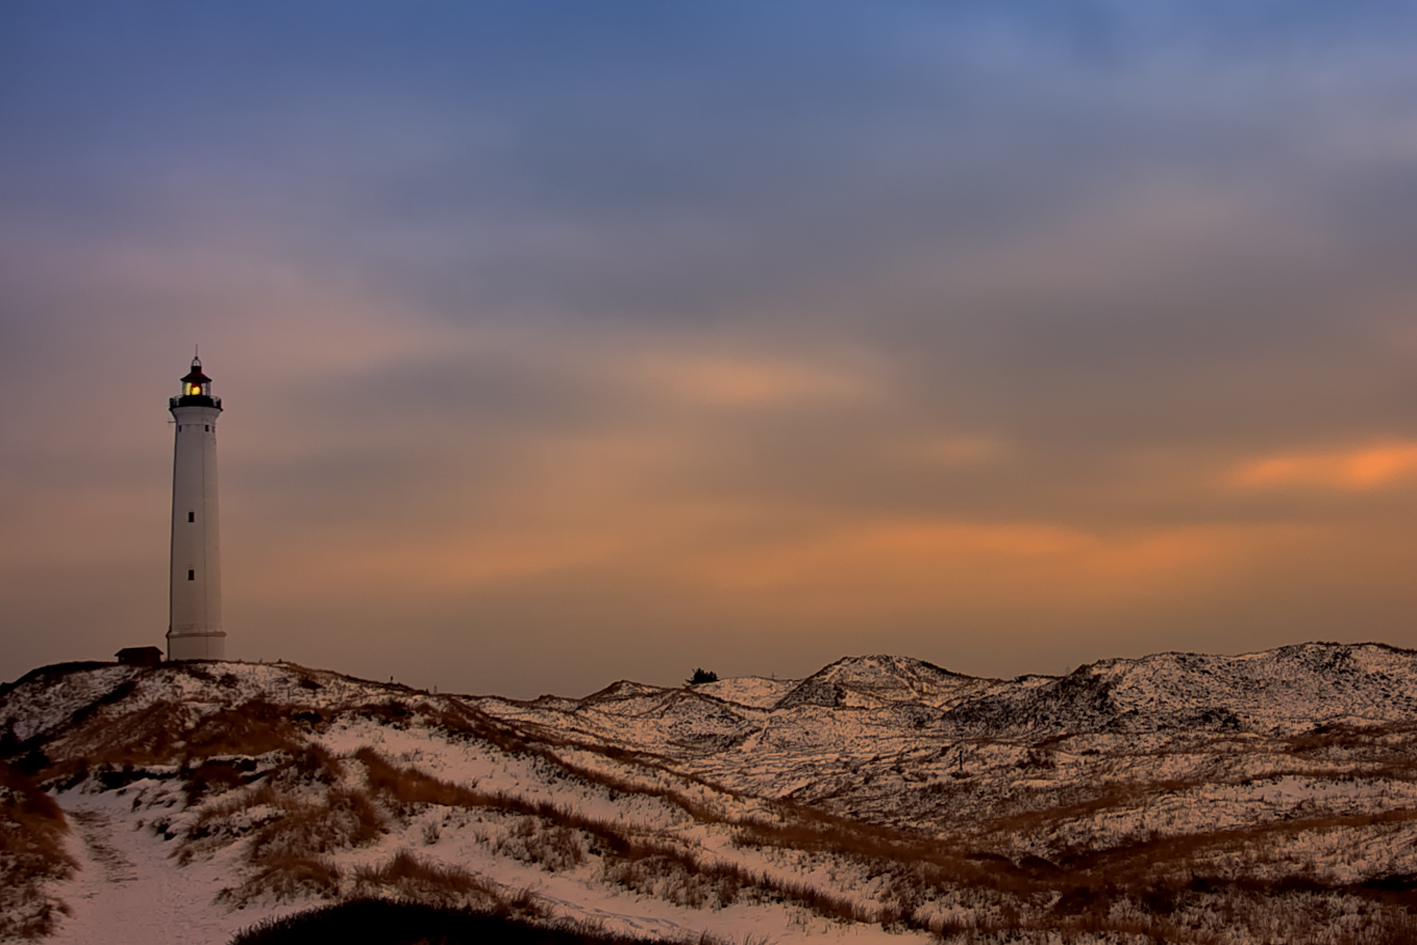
(128,890)
(1297,762)
(753,691)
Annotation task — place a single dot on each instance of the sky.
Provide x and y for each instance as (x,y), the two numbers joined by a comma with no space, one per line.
(564,342)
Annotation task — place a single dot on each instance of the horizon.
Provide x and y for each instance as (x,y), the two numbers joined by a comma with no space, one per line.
(561,344)
(720,678)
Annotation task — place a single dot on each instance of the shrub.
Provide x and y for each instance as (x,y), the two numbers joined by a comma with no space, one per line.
(701,676)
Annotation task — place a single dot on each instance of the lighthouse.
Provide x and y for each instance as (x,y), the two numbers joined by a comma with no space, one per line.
(194,629)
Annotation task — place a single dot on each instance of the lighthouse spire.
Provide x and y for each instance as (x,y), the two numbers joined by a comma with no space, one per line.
(194,630)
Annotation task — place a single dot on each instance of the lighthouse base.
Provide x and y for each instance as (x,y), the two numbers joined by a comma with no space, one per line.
(207,645)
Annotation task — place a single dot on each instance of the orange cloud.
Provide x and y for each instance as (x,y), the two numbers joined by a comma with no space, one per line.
(881,569)
(747,382)
(889,567)
(1347,470)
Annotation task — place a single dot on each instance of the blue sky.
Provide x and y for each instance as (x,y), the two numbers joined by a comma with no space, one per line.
(562,342)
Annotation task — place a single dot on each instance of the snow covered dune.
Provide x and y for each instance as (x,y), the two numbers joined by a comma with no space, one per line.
(1178,797)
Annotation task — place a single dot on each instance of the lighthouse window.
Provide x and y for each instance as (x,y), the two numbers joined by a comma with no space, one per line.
(191,574)
(207,427)
(191,516)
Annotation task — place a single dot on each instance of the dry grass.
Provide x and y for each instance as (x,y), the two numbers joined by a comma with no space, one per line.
(285,838)
(32,831)
(215,778)
(460,721)
(263,794)
(549,835)
(464,722)
(1157,858)
(285,878)
(136,739)
(255,727)
(310,766)
(406,785)
(277,810)
(345,819)
(552,847)
(678,877)
(1111,796)
(925,861)
(291,836)
(167,733)
(1144,891)
(411,878)
(672,876)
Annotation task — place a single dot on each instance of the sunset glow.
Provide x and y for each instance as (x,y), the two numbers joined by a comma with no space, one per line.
(1366,468)
(564,342)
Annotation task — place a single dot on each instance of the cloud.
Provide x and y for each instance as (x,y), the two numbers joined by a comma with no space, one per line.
(750,379)
(887,568)
(1354,470)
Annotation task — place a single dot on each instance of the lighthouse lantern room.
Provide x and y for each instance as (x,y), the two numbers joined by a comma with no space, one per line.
(194,629)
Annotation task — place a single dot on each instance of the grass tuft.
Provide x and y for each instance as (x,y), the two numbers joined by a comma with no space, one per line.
(412,878)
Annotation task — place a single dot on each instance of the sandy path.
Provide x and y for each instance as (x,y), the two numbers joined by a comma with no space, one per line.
(127,891)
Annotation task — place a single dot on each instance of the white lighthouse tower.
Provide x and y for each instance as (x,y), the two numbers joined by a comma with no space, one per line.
(194,630)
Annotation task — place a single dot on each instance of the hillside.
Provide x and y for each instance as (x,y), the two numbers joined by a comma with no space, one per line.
(1178,797)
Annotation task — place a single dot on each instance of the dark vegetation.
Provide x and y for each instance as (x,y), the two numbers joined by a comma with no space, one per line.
(701,676)
(384,922)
